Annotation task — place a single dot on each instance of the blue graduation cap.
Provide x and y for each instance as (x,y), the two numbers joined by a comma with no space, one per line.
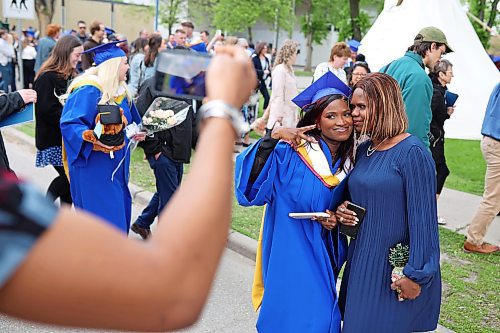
(109,31)
(106,51)
(328,84)
(354,45)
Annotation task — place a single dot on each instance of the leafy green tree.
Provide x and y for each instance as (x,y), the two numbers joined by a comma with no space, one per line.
(168,13)
(280,14)
(486,11)
(237,15)
(315,24)
(352,20)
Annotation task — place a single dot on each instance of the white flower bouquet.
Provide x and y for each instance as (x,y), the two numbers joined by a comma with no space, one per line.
(164,113)
(398,258)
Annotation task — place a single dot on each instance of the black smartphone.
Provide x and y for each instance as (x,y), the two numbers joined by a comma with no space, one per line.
(352,231)
(181,73)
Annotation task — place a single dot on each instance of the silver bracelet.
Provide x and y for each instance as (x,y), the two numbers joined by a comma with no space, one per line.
(221,109)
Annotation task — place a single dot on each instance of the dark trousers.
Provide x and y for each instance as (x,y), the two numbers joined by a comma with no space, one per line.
(264,92)
(59,187)
(28,72)
(13,76)
(6,76)
(168,176)
(442,171)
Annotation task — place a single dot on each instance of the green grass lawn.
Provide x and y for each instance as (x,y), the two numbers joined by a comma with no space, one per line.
(28,129)
(471,302)
(466,164)
(302,73)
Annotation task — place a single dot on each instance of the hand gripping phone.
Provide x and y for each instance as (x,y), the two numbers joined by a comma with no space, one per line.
(352,231)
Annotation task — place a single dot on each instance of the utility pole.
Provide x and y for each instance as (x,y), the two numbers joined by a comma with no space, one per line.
(156,14)
(63,14)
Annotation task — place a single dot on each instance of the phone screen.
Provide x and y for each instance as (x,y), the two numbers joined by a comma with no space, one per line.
(181,73)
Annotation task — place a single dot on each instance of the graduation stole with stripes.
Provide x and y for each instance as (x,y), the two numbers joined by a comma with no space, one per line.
(314,158)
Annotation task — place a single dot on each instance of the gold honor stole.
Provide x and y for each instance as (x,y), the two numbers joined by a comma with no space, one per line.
(314,158)
(90,81)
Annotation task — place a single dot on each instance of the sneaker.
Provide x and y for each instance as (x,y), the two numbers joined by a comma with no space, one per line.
(484,248)
(143,232)
(441,221)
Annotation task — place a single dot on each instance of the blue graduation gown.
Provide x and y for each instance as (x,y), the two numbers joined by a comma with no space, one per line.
(90,171)
(300,259)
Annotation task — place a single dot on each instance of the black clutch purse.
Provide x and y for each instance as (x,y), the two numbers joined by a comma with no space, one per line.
(110,114)
(352,231)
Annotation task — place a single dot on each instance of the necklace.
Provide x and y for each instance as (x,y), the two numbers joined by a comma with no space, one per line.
(371,150)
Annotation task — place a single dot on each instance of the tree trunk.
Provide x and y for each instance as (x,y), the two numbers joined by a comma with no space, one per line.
(309,35)
(356,30)
(482,6)
(250,35)
(493,13)
(44,12)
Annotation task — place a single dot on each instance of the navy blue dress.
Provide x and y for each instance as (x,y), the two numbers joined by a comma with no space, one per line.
(398,189)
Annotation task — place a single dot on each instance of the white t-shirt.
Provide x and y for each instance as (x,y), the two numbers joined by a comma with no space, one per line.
(324,67)
(29,53)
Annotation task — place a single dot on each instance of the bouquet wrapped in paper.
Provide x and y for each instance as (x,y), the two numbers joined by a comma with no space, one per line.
(398,258)
(164,113)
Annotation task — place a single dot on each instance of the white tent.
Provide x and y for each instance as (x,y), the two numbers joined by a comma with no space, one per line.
(475,75)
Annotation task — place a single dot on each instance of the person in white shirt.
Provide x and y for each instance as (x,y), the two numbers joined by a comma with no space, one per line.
(339,55)
(29,57)
(6,55)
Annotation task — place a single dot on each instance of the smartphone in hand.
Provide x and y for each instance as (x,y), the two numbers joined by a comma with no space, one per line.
(181,73)
(308,215)
(352,231)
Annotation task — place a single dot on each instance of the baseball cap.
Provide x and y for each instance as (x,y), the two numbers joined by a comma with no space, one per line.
(432,34)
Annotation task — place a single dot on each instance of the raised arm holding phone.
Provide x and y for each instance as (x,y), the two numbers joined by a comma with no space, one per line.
(87,272)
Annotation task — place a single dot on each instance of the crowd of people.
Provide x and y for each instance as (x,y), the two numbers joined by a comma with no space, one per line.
(375,140)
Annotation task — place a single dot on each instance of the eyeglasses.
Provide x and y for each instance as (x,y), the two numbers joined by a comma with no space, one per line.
(82,27)
(359,74)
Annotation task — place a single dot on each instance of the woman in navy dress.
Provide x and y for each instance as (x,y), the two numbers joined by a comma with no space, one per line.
(394,180)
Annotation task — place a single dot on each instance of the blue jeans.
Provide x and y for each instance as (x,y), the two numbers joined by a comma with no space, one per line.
(168,176)
(6,76)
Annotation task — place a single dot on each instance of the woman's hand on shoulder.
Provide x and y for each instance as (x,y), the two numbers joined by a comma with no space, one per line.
(346,216)
(294,136)
(409,289)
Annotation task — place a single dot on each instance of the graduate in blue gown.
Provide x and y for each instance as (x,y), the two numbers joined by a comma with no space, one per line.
(394,180)
(99,180)
(298,260)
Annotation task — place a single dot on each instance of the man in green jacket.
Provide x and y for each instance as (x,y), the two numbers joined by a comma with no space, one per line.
(429,46)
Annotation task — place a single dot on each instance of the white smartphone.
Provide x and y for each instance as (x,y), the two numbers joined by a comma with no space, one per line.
(308,215)
(218,32)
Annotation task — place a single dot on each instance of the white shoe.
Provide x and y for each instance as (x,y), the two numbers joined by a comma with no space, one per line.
(441,221)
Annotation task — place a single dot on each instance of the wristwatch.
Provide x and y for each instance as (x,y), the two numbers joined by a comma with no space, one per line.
(221,109)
